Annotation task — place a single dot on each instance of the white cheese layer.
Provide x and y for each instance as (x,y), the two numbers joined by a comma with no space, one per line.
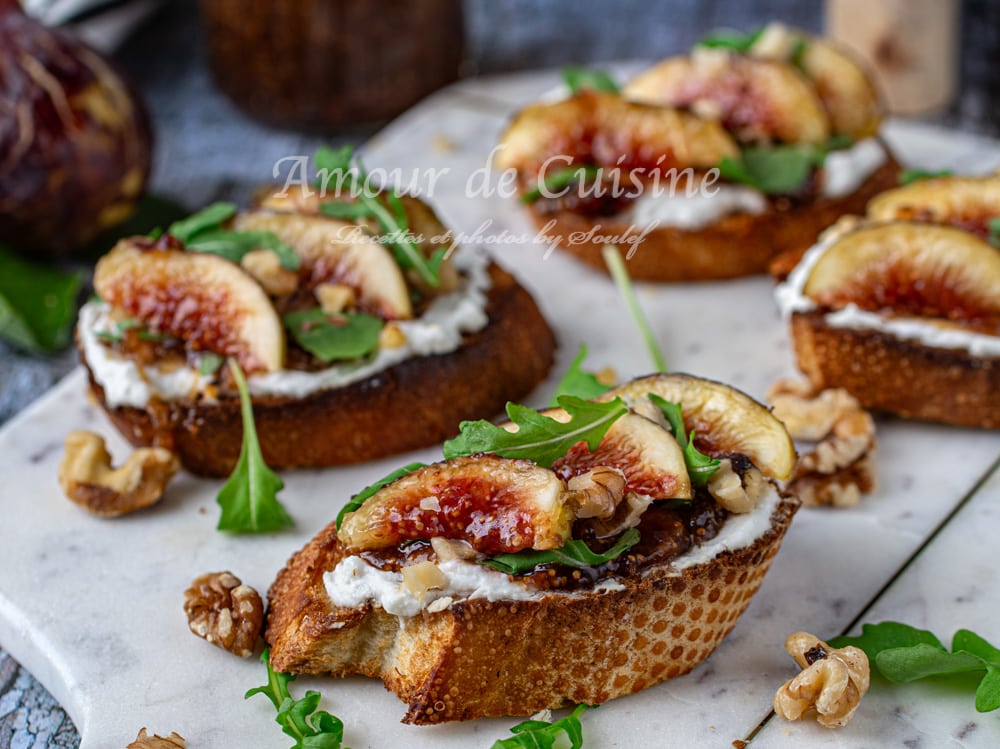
(926,331)
(438,331)
(846,170)
(354,582)
(693,212)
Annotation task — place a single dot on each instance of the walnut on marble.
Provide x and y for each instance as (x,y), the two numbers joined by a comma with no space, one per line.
(224,611)
(89,480)
(830,686)
(145,741)
(841,465)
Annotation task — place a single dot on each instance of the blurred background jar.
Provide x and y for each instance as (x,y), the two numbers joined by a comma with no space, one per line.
(911,45)
(324,63)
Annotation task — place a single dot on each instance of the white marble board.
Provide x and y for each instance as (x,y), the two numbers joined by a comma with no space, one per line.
(93,607)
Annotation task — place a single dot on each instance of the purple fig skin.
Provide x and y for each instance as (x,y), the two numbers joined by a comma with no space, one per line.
(75,139)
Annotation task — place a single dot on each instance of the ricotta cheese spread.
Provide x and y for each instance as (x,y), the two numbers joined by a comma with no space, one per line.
(354,582)
(926,331)
(846,170)
(439,330)
(693,212)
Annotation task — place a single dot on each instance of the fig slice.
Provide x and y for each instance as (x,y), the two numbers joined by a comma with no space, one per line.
(926,270)
(965,202)
(334,251)
(757,101)
(498,505)
(204,300)
(845,88)
(608,131)
(644,451)
(726,420)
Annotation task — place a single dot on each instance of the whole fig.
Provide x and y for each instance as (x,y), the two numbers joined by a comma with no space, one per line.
(75,139)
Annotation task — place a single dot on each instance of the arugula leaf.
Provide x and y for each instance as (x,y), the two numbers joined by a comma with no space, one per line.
(700,467)
(539,438)
(774,170)
(203,232)
(902,653)
(993,226)
(369,491)
(540,734)
(347,336)
(571,554)
(578,78)
(209,217)
(209,363)
(249,498)
(311,728)
(733,40)
(560,179)
(37,304)
(616,266)
(577,381)
(909,176)
(343,166)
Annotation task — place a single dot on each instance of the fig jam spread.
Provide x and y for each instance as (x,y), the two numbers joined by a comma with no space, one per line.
(665,533)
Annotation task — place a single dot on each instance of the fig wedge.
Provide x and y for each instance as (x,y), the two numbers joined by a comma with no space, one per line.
(965,202)
(496,504)
(757,101)
(204,300)
(926,270)
(644,451)
(845,88)
(335,251)
(726,419)
(600,128)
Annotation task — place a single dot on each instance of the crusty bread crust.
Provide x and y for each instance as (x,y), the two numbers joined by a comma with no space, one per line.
(737,245)
(478,659)
(899,376)
(416,403)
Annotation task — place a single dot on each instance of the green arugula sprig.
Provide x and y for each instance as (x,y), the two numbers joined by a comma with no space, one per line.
(902,653)
(37,304)
(579,382)
(778,170)
(909,176)
(700,467)
(993,227)
(539,438)
(731,40)
(573,553)
(369,491)
(560,179)
(540,734)
(249,498)
(203,232)
(578,79)
(343,168)
(311,728)
(209,363)
(616,266)
(349,335)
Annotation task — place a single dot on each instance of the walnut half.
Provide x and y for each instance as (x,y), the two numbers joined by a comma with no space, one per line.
(87,478)
(145,741)
(832,683)
(225,612)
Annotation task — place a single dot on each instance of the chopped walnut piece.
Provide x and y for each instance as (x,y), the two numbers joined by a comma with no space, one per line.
(265,266)
(831,685)
(421,577)
(736,493)
(87,478)
(334,298)
(841,467)
(225,612)
(596,493)
(392,336)
(145,741)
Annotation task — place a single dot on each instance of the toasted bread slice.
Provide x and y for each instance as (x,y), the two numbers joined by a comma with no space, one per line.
(358,422)
(456,639)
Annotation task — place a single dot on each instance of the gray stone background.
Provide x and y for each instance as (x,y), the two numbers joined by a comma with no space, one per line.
(207,149)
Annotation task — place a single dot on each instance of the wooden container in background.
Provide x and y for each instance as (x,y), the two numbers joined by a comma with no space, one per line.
(911,45)
(325,63)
